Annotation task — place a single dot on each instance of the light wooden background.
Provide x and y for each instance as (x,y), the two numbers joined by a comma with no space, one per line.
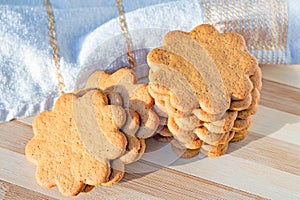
(266,165)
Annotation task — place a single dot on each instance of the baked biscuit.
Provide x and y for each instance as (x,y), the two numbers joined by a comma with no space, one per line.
(61,155)
(190,76)
(135,96)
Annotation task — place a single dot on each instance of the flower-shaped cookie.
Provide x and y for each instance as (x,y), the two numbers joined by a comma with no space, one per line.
(212,69)
(135,96)
(75,143)
(209,75)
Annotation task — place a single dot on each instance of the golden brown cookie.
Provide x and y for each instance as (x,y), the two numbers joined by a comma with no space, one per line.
(213,138)
(207,117)
(186,138)
(164,131)
(224,125)
(188,123)
(132,122)
(57,148)
(163,134)
(252,109)
(135,149)
(208,75)
(168,82)
(114,99)
(161,138)
(256,79)
(241,124)
(117,172)
(239,105)
(213,151)
(135,96)
(185,153)
(193,54)
(159,110)
(240,135)
(182,151)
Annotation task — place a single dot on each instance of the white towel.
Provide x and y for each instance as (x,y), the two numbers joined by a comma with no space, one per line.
(89,38)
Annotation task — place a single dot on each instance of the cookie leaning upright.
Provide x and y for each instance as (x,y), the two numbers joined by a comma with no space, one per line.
(62,135)
(208,75)
(135,96)
(89,137)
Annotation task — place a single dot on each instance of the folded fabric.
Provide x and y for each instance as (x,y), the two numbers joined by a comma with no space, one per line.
(90,38)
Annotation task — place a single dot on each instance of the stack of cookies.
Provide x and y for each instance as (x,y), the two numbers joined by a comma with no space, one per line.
(88,138)
(206,87)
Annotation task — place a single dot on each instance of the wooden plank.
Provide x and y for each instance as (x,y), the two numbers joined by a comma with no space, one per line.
(27,120)
(280,97)
(14,136)
(268,151)
(265,164)
(244,175)
(256,171)
(276,124)
(172,184)
(161,182)
(13,192)
(246,150)
(285,74)
(15,169)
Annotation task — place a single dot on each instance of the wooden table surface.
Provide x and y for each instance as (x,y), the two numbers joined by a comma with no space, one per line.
(264,165)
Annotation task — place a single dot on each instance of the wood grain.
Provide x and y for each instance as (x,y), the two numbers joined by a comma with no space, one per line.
(14,192)
(280,97)
(15,135)
(266,165)
(173,184)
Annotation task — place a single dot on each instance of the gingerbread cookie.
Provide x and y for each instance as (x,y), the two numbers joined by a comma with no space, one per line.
(240,135)
(188,123)
(214,151)
(190,76)
(224,125)
(187,139)
(61,155)
(190,54)
(183,152)
(252,109)
(135,96)
(212,138)
(163,134)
